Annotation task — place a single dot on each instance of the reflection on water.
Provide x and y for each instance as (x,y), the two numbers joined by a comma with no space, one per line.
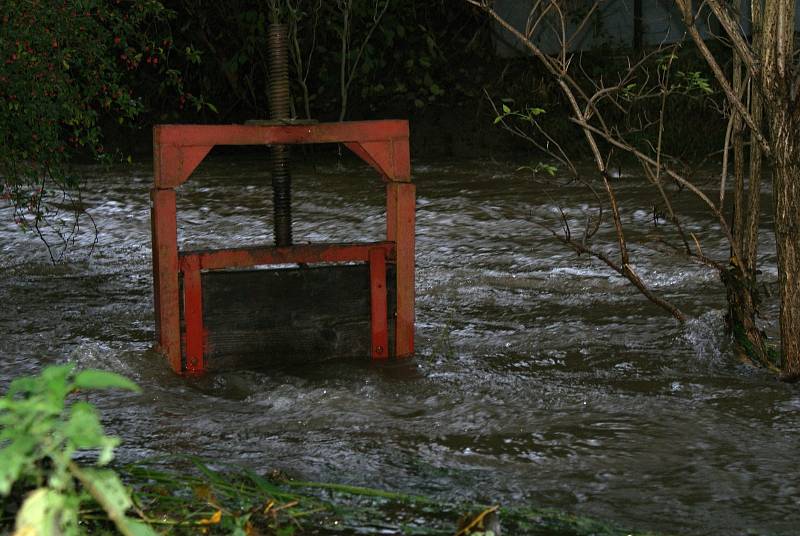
(541,377)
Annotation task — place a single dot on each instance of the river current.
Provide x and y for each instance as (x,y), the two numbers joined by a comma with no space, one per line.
(541,377)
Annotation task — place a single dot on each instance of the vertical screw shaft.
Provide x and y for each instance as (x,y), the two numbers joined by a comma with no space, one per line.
(277,36)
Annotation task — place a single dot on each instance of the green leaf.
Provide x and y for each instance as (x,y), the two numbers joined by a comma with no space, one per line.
(56,375)
(506,109)
(55,386)
(106,487)
(101,379)
(84,430)
(110,493)
(16,457)
(265,486)
(287,530)
(26,384)
(83,427)
(134,527)
(41,513)
(213,476)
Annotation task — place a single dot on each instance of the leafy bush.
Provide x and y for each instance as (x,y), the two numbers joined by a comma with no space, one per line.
(67,68)
(42,427)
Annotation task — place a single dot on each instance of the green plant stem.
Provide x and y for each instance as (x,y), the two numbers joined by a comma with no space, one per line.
(356,490)
(101,499)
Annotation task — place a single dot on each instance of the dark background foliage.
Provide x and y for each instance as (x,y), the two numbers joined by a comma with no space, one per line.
(88,78)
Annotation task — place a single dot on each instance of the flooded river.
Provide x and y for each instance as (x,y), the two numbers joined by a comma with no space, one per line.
(541,378)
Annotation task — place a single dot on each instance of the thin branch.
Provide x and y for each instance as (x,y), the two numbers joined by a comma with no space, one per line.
(558,154)
(736,35)
(708,56)
(736,252)
(671,216)
(347,70)
(725,153)
(579,29)
(626,271)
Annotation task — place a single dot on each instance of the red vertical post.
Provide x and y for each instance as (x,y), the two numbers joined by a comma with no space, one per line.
(156,264)
(378,306)
(165,274)
(400,217)
(401,162)
(193,316)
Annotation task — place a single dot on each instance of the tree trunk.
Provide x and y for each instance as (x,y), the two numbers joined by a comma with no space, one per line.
(740,277)
(786,201)
(750,342)
(777,55)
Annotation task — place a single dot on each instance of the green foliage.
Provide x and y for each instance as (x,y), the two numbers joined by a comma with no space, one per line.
(693,82)
(674,82)
(67,68)
(399,61)
(406,64)
(540,167)
(42,428)
(230,500)
(233,503)
(528,115)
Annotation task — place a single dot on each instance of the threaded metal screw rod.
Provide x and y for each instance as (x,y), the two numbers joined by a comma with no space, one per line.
(277,38)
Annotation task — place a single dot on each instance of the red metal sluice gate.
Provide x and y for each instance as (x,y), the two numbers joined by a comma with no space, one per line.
(213,306)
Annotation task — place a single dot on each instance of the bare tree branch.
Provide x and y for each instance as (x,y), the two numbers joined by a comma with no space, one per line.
(736,35)
(688,19)
(625,270)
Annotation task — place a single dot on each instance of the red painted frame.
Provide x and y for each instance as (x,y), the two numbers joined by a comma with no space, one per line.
(179,149)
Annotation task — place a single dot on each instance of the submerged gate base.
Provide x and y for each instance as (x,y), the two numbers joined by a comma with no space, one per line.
(182,278)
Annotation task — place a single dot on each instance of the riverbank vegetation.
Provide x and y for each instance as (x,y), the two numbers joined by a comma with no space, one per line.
(623,113)
(120,67)
(71,72)
(57,477)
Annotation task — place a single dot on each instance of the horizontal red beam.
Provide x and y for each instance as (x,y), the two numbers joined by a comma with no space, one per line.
(301,254)
(350,131)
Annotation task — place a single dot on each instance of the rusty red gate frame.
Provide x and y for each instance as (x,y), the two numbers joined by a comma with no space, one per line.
(179,149)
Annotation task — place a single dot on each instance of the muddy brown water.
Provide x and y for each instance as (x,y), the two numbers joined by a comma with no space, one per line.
(541,378)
